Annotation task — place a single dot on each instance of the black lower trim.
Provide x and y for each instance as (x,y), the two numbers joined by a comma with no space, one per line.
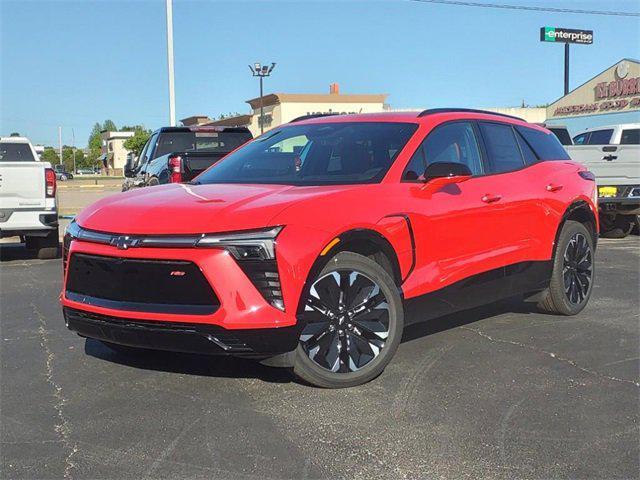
(481,289)
(141,307)
(183,337)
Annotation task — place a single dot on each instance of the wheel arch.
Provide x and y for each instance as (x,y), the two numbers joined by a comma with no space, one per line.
(578,211)
(363,241)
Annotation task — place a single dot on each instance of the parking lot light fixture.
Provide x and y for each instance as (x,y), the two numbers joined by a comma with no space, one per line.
(261,71)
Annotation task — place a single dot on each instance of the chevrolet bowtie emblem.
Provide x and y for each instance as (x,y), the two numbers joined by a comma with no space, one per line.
(123,242)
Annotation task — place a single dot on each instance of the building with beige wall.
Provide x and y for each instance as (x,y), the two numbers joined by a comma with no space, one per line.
(281,108)
(609,98)
(113,150)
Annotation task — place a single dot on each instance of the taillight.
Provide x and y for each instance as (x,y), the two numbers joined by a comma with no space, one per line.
(50,182)
(587,175)
(175,169)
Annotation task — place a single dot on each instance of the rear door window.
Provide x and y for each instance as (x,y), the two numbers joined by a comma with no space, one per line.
(600,137)
(630,137)
(545,145)
(16,152)
(502,148)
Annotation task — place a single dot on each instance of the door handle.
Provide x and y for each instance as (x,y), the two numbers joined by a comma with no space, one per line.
(553,187)
(488,198)
(608,158)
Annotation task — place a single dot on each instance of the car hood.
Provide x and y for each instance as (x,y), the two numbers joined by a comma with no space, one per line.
(183,208)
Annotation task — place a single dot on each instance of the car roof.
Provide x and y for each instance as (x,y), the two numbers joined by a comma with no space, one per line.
(14,140)
(431,116)
(610,127)
(203,128)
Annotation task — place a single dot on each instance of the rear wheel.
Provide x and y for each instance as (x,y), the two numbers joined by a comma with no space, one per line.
(573,272)
(354,320)
(46,247)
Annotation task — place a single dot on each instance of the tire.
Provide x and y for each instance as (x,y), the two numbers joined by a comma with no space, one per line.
(46,247)
(340,347)
(573,272)
(618,227)
(153,181)
(63,178)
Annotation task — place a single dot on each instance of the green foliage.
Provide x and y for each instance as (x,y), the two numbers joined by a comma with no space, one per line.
(50,155)
(109,126)
(222,116)
(95,142)
(14,134)
(134,144)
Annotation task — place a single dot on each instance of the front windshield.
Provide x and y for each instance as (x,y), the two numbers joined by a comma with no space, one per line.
(315,154)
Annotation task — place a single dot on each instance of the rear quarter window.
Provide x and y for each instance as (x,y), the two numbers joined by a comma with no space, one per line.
(545,145)
(16,152)
(630,137)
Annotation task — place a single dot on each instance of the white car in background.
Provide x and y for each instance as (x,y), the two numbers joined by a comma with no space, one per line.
(28,205)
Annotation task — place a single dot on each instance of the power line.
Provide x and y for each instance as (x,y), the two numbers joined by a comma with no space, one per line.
(530,8)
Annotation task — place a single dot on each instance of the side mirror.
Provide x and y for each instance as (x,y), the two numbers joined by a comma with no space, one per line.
(129,166)
(445,173)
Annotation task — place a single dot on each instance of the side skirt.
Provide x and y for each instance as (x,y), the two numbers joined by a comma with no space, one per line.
(484,288)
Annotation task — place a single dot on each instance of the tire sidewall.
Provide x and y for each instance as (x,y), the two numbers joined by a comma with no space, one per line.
(569,229)
(311,372)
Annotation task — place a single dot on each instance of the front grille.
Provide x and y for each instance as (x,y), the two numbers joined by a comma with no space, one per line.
(163,286)
(264,276)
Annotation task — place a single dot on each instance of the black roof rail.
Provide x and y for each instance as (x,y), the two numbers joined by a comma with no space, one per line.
(314,115)
(433,111)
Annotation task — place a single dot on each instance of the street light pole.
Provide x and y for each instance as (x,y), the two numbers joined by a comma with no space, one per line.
(261,71)
(172,96)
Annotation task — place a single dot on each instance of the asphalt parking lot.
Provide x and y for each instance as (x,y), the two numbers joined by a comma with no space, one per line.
(498,392)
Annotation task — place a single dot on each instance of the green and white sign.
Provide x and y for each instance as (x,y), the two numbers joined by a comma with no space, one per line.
(566,35)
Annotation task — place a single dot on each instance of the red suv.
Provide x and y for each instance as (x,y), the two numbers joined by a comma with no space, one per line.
(314,245)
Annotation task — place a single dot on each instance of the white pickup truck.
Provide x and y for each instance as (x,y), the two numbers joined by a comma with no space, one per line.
(28,197)
(613,154)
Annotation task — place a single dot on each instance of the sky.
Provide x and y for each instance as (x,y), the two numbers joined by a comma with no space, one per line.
(75,63)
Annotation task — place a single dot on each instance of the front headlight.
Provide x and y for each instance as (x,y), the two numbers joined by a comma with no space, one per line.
(245,246)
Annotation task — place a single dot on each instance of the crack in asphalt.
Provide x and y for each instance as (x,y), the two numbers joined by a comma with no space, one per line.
(552,355)
(63,428)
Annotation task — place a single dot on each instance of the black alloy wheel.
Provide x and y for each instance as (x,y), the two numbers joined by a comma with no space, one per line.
(578,269)
(353,320)
(348,319)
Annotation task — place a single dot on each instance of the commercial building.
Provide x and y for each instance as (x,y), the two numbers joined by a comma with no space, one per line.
(114,155)
(609,98)
(281,108)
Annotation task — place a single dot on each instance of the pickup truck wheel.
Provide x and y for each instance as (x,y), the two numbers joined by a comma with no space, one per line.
(353,318)
(617,227)
(573,272)
(46,247)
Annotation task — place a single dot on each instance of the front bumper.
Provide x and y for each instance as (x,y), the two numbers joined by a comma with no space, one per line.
(183,337)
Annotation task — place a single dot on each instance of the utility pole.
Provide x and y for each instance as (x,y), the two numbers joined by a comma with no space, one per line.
(566,68)
(73,149)
(60,143)
(172,96)
(261,71)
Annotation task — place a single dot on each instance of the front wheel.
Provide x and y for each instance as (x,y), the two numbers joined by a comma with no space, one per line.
(353,323)
(573,272)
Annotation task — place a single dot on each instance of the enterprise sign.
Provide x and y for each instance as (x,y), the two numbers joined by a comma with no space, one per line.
(566,35)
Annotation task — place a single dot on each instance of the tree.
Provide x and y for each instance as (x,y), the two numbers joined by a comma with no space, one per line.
(222,116)
(109,126)
(14,134)
(50,155)
(141,135)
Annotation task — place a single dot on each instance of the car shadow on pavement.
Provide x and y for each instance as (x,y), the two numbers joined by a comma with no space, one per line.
(233,367)
(12,251)
(465,317)
(189,364)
